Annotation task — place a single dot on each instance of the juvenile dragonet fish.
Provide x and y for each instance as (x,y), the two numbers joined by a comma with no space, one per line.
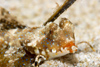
(46,42)
(50,41)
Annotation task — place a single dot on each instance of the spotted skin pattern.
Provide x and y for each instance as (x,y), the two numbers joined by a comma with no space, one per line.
(49,41)
(38,43)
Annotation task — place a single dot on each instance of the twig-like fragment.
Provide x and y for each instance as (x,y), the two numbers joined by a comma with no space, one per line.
(60,10)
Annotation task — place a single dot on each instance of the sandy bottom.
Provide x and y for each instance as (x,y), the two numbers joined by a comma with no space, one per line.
(84,14)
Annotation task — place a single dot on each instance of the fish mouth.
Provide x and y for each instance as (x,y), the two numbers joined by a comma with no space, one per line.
(66,49)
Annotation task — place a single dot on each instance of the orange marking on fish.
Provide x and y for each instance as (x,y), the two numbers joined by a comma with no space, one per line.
(69,45)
